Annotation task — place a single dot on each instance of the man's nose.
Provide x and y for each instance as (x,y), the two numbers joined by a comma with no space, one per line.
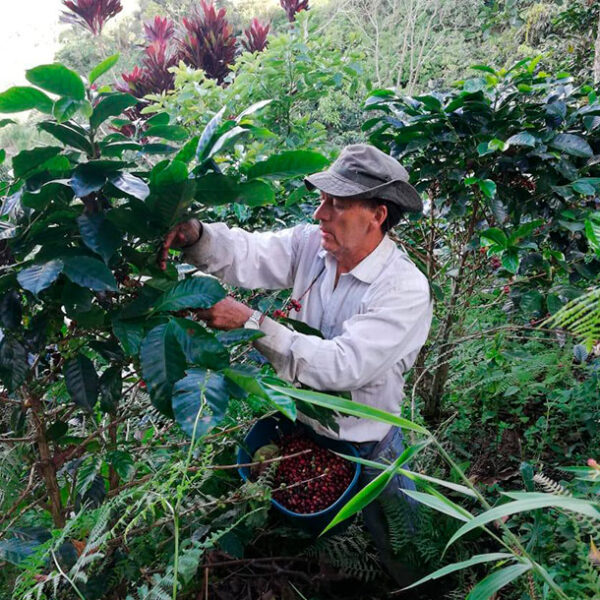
(321,212)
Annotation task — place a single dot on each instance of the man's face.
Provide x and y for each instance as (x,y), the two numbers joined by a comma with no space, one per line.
(345,225)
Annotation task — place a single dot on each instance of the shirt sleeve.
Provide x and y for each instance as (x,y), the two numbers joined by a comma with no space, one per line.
(394,326)
(245,259)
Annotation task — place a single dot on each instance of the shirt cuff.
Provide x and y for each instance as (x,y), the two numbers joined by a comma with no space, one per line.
(199,253)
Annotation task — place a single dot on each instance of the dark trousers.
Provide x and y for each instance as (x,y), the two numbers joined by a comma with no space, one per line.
(386,451)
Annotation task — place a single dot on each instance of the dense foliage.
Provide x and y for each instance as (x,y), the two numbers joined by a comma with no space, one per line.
(120,413)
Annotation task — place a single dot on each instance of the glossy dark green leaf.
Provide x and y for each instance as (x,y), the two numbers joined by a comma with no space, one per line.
(194,292)
(5,122)
(38,277)
(89,273)
(200,401)
(249,381)
(18,99)
(187,153)
(103,67)
(131,185)
(16,551)
(510,261)
(163,363)
(130,333)
(496,236)
(289,164)
(76,300)
(161,118)
(207,135)
(56,78)
(173,133)
(99,235)
(488,187)
(523,138)
(217,189)
(172,192)
(13,363)
(572,144)
(11,310)
(68,136)
(122,462)
(234,337)
(81,380)
(110,387)
(116,149)
(29,160)
(86,180)
(65,108)
(111,106)
(110,349)
(200,346)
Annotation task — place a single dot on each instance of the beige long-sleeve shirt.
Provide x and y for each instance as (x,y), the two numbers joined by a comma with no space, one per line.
(374,321)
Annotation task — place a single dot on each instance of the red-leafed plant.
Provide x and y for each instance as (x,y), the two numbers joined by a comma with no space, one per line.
(209,42)
(91,14)
(292,7)
(154,75)
(256,36)
(161,30)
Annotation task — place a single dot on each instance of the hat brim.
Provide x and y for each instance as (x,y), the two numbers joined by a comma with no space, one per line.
(397,191)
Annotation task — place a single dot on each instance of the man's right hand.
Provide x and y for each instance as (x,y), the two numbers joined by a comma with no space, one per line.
(181,236)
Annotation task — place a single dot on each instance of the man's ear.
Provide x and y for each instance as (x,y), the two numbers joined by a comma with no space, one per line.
(381,213)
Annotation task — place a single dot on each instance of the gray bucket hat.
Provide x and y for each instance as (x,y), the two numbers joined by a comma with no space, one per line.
(362,171)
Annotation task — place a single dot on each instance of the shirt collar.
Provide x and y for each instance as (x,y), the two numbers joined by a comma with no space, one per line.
(369,268)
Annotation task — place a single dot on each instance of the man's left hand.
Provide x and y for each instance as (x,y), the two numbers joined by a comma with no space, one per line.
(226,314)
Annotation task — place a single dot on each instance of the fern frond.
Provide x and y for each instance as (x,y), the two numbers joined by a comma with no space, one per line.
(550,486)
(581,316)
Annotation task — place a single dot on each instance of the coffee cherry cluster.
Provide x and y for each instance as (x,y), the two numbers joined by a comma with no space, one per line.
(310,482)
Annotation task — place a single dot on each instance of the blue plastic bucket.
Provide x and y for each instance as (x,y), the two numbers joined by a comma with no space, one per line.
(268,431)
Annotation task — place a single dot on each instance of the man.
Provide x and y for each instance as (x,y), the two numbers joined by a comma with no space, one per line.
(349,280)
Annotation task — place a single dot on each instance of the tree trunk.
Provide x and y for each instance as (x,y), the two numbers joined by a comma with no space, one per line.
(597,55)
(47,467)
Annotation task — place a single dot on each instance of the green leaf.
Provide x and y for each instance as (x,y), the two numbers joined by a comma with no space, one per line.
(488,187)
(527,501)
(172,192)
(11,310)
(226,140)
(89,273)
(253,108)
(38,277)
(110,388)
(103,67)
(440,503)
(247,379)
(29,160)
(131,185)
(200,392)
(524,231)
(122,463)
(82,381)
(234,337)
(5,122)
(348,407)
(369,493)
(459,566)
(216,189)
(187,153)
(572,144)
(130,333)
(13,363)
(65,108)
(494,236)
(99,235)
(207,134)
(111,106)
(521,139)
(194,292)
(18,99)
(592,230)
(289,164)
(200,346)
(173,133)
(57,79)
(68,136)
(510,261)
(488,586)
(163,364)
(158,119)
